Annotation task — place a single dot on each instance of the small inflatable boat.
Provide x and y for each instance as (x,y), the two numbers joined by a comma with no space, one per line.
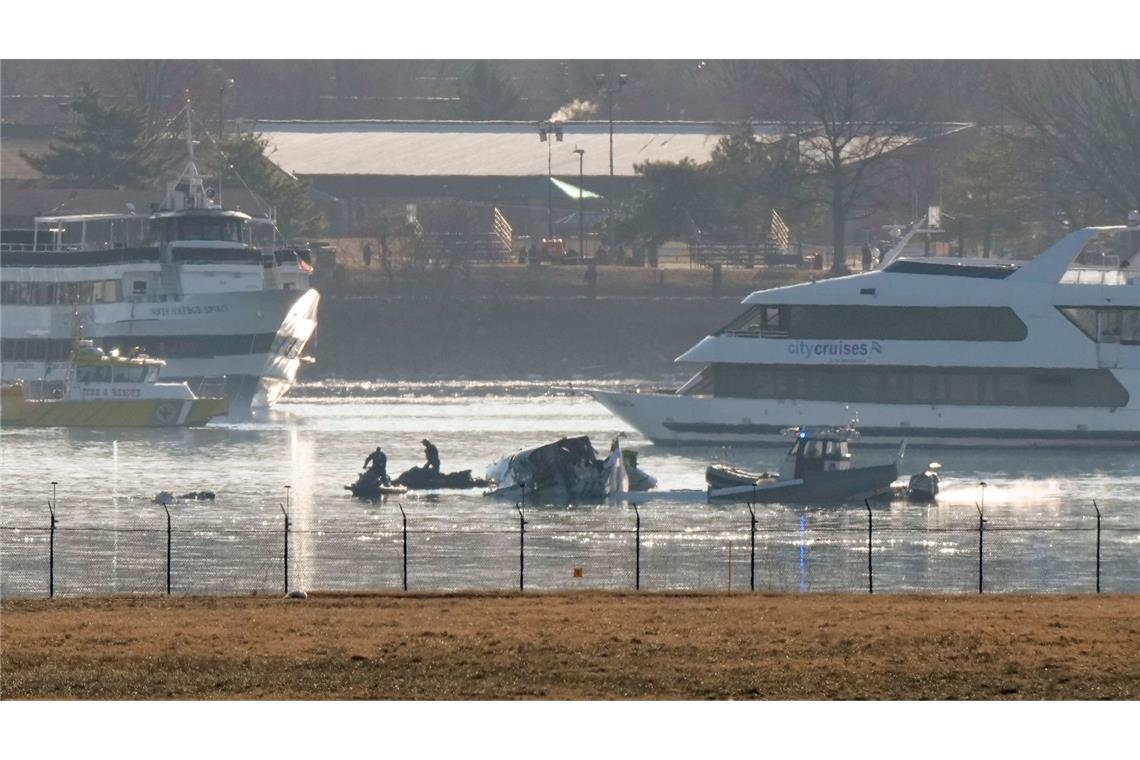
(368,487)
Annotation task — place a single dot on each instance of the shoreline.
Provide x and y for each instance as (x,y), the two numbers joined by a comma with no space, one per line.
(583,645)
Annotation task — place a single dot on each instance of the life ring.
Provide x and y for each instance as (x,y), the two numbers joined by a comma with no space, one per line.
(166,413)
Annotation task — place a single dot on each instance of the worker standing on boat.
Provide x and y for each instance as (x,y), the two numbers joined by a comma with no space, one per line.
(377,465)
(432,454)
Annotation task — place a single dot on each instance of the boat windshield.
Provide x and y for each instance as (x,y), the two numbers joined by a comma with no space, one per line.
(838,450)
(199,228)
(129,374)
(93,374)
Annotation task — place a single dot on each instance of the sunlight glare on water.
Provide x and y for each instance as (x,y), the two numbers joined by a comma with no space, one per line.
(316,442)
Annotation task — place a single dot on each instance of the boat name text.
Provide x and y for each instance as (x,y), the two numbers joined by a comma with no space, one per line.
(835,350)
(184,311)
(111,393)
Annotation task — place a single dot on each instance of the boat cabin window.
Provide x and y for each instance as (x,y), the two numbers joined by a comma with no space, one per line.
(200,228)
(813,449)
(129,374)
(965,323)
(1106,324)
(93,374)
(837,450)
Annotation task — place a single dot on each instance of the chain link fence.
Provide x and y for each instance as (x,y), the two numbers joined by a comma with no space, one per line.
(667,547)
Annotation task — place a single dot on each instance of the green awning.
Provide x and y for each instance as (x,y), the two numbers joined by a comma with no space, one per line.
(571,191)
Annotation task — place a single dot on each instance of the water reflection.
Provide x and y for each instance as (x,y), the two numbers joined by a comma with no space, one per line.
(109,478)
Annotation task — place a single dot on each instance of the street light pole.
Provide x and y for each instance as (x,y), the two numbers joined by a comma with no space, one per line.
(545,130)
(611,89)
(581,224)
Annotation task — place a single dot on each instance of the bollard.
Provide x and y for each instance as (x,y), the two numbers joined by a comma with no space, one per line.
(1097,546)
(870,566)
(981,541)
(636,549)
(286,554)
(405,518)
(730,567)
(51,552)
(752,554)
(522,545)
(168,549)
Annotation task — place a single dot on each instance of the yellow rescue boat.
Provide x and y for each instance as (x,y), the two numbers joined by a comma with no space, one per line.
(108,390)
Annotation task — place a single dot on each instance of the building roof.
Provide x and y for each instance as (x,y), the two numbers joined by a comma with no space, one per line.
(497,149)
(12,164)
(491,149)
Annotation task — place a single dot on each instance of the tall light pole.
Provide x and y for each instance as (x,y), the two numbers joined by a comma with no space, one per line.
(545,130)
(581,223)
(610,87)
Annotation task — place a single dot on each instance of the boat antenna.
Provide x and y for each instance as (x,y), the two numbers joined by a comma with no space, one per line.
(189,128)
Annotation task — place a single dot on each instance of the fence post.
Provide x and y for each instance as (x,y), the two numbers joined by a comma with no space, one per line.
(168,545)
(1097,545)
(286,554)
(752,548)
(522,545)
(636,549)
(981,541)
(870,564)
(405,518)
(51,544)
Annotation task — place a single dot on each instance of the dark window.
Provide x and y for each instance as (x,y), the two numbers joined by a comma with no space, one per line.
(965,323)
(922,385)
(910,266)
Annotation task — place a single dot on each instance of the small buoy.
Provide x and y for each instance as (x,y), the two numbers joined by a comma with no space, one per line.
(298,595)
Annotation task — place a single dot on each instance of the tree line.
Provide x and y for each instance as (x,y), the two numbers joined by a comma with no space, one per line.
(112,144)
(1065,155)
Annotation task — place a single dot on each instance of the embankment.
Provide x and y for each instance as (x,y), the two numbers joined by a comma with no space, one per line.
(512,337)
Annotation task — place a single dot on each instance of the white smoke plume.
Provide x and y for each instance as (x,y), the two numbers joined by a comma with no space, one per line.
(578,109)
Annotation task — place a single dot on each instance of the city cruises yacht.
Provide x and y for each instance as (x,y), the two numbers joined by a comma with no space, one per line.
(948,351)
(207,289)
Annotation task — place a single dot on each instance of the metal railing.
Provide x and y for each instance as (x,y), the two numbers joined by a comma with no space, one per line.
(643,548)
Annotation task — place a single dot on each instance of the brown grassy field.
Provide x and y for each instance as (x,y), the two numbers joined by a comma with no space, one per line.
(573,646)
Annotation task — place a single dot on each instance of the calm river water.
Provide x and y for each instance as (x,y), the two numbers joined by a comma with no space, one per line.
(1040,530)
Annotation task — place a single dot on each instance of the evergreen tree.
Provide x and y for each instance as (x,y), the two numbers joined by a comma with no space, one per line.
(247,165)
(105,147)
(486,94)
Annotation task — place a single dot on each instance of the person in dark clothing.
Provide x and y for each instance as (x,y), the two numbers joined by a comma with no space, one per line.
(867,261)
(432,454)
(377,465)
(367,255)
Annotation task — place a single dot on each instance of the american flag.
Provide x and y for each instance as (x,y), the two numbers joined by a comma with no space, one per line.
(779,233)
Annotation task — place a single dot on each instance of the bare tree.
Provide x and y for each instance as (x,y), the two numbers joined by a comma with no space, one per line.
(857,113)
(1085,117)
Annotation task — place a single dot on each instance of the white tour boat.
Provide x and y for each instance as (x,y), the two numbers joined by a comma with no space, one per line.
(1044,352)
(205,288)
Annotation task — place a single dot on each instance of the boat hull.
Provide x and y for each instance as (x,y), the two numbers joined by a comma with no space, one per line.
(245,346)
(677,419)
(835,486)
(19,412)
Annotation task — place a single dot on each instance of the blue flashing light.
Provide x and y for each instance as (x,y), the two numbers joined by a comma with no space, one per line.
(803,434)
